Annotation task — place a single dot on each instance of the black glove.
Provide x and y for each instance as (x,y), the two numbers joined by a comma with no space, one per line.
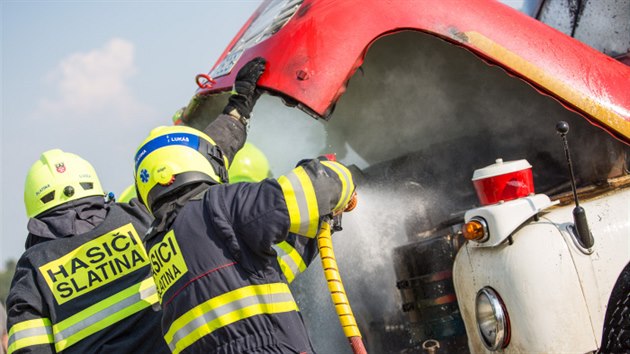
(245,93)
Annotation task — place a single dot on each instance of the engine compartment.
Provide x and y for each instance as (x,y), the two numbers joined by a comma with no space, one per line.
(416,120)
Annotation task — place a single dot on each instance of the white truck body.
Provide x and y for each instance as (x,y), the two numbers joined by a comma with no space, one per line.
(552,287)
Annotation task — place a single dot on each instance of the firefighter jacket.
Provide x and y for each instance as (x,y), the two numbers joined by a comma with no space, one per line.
(295,254)
(87,293)
(217,275)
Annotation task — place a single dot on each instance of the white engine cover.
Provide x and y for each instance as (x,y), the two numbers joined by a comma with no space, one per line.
(555,293)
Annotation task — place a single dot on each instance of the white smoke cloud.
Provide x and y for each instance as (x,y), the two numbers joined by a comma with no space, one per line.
(94,82)
(90,108)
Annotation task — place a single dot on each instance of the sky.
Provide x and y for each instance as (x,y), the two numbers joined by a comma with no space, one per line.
(92,78)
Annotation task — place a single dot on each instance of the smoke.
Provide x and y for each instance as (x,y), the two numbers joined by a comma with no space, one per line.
(286,135)
(418,118)
(364,250)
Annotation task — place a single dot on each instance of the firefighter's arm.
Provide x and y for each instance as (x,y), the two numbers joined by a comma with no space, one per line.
(30,328)
(295,254)
(245,92)
(228,133)
(314,190)
(253,213)
(229,129)
(262,214)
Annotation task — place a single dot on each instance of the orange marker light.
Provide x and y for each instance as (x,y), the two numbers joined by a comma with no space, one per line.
(475,230)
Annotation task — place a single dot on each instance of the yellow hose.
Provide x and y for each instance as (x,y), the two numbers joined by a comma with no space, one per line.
(337,291)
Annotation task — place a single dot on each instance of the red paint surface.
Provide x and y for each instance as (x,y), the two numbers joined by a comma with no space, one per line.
(319,49)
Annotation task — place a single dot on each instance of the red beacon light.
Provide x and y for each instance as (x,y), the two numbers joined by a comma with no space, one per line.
(331,157)
(503,181)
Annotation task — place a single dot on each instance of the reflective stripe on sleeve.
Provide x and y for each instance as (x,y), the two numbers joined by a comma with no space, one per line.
(301,202)
(104,314)
(290,260)
(347,186)
(28,333)
(226,309)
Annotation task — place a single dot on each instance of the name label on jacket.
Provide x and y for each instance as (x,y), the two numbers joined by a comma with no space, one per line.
(167,263)
(95,263)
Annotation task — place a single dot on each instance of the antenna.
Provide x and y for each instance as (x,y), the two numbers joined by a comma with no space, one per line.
(584,236)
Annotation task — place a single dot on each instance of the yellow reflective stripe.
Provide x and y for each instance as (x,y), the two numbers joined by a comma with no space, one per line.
(30,341)
(28,333)
(290,260)
(301,200)
(294,254)
(226,309)
(39,322)
(291,200)
(286,270)
(104,314)
(311,201)
(347,185)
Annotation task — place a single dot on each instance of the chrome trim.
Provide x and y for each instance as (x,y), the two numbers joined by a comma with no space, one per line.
(486,230)
(500,316)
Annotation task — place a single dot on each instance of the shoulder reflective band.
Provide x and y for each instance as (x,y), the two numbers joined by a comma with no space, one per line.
(29,333)
(347,186)
(290,260)
(301,200)
(104,314)
(226,309)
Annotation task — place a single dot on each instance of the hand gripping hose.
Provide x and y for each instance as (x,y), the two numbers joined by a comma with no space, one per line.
(337,292)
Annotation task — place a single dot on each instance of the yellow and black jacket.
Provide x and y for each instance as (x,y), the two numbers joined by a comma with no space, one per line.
(220,280)
(87,293)
(295,254)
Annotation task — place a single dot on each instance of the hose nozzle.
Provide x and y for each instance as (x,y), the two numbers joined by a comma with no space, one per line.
(352,203)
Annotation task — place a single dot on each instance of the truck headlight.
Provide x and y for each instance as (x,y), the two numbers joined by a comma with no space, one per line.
(492,319)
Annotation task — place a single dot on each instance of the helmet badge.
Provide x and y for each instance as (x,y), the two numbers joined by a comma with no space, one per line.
(144,175)
(60,167)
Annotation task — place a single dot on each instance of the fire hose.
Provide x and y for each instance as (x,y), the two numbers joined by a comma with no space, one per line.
(335,285)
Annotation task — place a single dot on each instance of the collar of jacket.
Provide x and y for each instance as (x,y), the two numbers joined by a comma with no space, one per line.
(167,212)
(69,219)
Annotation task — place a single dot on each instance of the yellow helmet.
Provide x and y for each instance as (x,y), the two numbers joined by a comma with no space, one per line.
(127,195)
(249,165)
(57,178)
(172,157)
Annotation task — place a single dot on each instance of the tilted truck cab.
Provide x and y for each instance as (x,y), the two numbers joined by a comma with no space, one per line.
(415,96)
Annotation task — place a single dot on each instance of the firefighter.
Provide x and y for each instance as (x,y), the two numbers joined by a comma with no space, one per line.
(128,194)
(296,252)
(219,284)
(250,165)
(84,283)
